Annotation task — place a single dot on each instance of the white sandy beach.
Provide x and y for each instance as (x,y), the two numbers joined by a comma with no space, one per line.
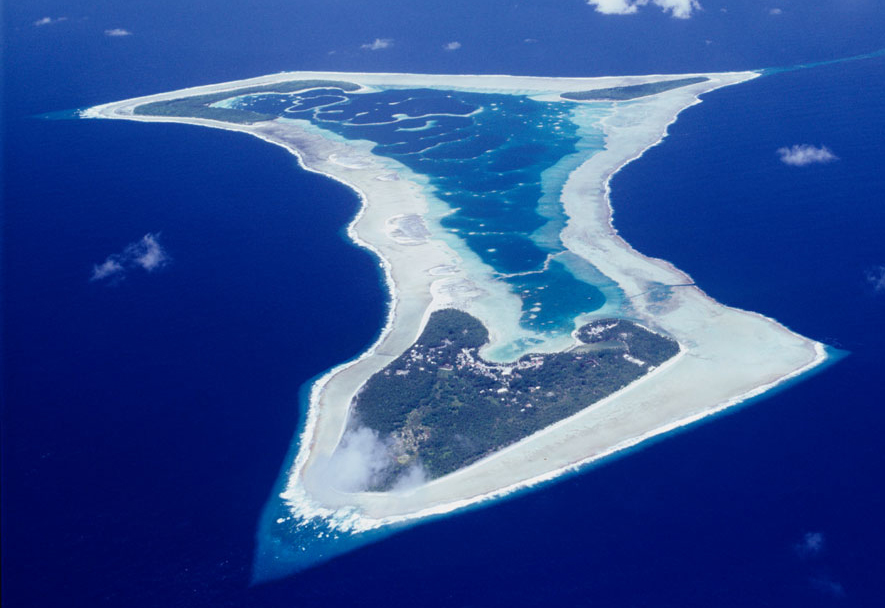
(727,356)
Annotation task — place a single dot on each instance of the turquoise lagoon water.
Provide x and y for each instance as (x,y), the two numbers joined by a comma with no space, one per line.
(495,162)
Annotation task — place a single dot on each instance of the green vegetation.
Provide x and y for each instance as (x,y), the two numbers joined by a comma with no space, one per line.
(199,106)
(632,91)
(442,405)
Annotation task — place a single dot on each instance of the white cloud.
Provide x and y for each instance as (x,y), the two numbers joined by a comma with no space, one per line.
(806,154)
(358,462)
(108,268)
(615,7)
(876,278)
(378,44)
(49,21)
(452,46)
(811,545)
(146,253)
(681,9)
(363,460)
(117,32)
(828,586)
(775,11)
(413,477)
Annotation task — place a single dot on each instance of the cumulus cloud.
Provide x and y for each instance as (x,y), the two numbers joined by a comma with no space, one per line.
(876,278)
(775,11)
(828,586)
(145,253)
(359,461)
(801,155)
(812,545)
(452,46)
(378,44)
(681,9)
(364,460)
(108,268)
(117,32)
(49,21)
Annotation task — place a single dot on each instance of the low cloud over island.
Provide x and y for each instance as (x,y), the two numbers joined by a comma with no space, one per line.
(363,460)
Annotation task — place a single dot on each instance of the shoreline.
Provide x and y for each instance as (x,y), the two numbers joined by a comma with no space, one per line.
(358,512)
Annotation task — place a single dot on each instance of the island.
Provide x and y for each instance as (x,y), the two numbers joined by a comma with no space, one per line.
(632,91)
(525,339)
(439,406)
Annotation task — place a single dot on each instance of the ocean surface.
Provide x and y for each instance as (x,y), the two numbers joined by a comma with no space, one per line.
(145,418)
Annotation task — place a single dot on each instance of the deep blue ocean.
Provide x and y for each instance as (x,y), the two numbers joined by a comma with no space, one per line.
(145,419)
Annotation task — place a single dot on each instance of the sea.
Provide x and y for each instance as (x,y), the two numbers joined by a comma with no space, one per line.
(146,415)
